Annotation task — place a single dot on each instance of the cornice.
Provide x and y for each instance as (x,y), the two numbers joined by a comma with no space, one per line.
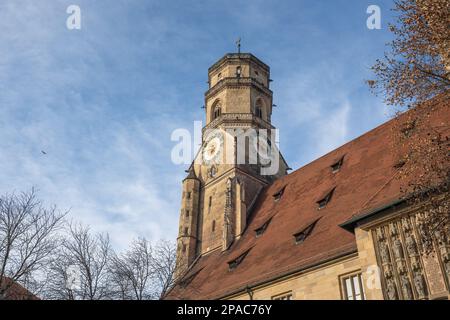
(237,120)
(237,83)
(227,173)
(238,56)
(187,236)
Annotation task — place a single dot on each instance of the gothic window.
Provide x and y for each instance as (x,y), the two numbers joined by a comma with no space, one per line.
(213,227)
(187,213)
(238,72)
(352,287)
(302,235)
(335,167)
(235,262)
(259,231)
(283,296)
(217,111)
(259,112)
(210,202)
(322,203)
(259,108)
(188,195)
(186,231)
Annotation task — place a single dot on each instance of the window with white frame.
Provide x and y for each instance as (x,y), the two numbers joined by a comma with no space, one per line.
(283,296)
(352,287)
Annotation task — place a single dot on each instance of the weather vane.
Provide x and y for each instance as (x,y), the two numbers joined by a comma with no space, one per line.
(238,43)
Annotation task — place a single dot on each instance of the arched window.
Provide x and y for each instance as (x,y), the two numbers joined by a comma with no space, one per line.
(217,111)
(238,71)
(259,108)
(213,226)
(259,112)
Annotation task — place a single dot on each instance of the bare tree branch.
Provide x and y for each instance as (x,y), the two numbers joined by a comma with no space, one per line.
(80,269)
(27,238)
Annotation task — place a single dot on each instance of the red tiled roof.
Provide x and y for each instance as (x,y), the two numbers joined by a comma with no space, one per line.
(15,291)
(365,181)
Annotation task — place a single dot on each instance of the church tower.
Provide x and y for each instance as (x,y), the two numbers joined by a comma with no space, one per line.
(238,157)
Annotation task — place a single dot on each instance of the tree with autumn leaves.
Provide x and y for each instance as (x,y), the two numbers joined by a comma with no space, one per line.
(415,74)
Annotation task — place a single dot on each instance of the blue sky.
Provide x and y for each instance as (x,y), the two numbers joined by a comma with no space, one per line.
(103,101)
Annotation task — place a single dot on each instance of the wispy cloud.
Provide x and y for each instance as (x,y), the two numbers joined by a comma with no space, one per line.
(102,101)
(332,129)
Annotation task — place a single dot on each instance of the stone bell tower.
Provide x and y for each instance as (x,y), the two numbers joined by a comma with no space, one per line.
(230,170)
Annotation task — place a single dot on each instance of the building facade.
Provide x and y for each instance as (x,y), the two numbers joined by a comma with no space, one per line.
(223,181)
(336,228)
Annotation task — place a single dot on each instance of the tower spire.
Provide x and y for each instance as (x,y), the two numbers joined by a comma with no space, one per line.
(223,181)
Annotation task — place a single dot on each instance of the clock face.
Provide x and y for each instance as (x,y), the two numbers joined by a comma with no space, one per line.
(213,149)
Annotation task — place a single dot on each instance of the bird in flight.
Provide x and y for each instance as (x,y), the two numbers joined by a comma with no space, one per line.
(43,152)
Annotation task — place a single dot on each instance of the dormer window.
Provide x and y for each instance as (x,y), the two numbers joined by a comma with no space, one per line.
(302,235)
(183,283)
(233,264)
(400,163)
(335,167)
(259,231)
(322,203)
(277,196)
